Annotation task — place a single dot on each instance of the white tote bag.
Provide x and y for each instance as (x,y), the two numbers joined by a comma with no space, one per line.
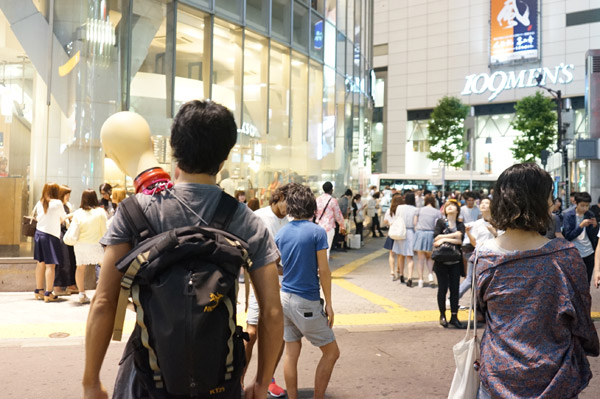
(465,383)
(398,228)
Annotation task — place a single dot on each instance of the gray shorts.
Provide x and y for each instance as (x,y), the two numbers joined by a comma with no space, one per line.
(304,318)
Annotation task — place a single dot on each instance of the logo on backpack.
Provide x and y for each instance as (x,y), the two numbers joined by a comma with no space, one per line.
(213,298)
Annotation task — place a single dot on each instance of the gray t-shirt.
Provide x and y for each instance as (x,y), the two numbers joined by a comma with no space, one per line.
(427,216)
(469,215)
(175,208)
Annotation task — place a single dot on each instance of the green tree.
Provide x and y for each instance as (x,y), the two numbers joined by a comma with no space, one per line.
(446,129)
(535,117)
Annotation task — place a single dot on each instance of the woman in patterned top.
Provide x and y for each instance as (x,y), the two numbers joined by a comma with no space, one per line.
(535,296)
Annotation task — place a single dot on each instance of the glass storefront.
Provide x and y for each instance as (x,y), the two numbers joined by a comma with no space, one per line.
(295,74)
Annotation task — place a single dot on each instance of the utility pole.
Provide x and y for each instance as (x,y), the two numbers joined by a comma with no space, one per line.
(562,140)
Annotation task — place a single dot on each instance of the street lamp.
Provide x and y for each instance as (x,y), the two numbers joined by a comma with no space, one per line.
(562,142)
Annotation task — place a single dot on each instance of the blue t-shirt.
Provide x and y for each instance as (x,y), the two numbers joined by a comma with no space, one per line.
(298,243)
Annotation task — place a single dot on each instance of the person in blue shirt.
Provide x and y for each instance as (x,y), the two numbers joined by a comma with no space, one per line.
(303,246)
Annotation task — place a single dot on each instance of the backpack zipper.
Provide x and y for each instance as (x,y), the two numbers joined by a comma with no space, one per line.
(190,333)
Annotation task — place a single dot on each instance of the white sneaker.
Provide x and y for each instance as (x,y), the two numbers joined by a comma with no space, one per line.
(420,283)
(430,277)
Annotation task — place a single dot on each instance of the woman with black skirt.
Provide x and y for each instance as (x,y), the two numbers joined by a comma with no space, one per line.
(449,230)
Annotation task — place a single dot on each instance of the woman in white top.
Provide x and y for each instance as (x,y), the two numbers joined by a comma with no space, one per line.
(47,251)
(396,267)
(405,248)
(91,220)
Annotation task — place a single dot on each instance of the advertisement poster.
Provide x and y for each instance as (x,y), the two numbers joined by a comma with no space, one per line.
(514,30)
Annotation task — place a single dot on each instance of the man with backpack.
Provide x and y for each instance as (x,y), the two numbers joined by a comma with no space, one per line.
(194,230)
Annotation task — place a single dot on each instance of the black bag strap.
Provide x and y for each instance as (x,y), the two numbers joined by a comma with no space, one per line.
(226,208)
(135,218)
(315,220)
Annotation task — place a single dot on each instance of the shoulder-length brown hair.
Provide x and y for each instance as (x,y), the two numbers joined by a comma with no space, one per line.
(396,200)
(89,200)
(520,199)
(50,191)
(63,191)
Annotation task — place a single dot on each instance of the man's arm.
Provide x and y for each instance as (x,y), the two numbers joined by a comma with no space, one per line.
(101,319)
(596,274)
(270,327)
(325,278)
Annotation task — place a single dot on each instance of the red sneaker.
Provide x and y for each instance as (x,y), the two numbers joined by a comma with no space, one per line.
(275,390)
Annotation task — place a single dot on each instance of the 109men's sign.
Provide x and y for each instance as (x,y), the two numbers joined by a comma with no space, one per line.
(499,81)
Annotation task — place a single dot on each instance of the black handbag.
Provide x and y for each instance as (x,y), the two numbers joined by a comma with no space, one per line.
(447,252)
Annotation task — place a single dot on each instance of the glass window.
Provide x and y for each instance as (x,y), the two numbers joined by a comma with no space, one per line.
(256,76)
(299,124)
(207,4)
(281,20)
(192,59)
(257,14)
(350,19)
(341,15)
(148,90)
(349,56)
(340,102)
(357,21)
(318,5)
(227,66)
(341,53)
(279,92)
(317,37)
(330,11)
(330,43)
(301,16)
(329,112)
(229,8)
(315,111)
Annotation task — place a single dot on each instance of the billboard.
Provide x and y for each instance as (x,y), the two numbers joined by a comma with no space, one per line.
(514,30)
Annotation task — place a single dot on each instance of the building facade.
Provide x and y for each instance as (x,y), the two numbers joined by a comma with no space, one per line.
(488,53)
(295,73)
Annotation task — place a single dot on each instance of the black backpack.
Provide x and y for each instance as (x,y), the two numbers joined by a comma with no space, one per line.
(184,285)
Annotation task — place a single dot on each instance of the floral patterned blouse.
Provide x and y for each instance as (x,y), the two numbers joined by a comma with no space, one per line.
(539,328)
(332,212)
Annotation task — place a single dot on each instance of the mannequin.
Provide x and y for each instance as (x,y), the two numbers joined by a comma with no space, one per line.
(126,140)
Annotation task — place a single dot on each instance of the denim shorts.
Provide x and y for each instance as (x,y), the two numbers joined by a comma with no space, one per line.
(304,318)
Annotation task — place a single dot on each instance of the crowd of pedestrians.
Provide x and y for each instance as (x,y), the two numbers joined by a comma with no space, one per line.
(66,240)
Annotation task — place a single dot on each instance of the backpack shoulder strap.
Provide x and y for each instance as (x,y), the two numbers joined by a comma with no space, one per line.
(226,208)
(135,218)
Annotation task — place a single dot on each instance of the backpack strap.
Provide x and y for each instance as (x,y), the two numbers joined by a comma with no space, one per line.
(136,220)
(226,208)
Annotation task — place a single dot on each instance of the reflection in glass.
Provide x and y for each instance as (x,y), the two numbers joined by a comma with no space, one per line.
(192,58)
(350,19)
(229,8)
(257,14)
(330,42)
(281,25)
(341,16)
(315,110)
(227,66)
(148,91)
(329,113)
(300,36)
(319,5)
(330,11)
(341,53)
(256,59)
(317,36)
(279,92)
(357,21)
(299,124)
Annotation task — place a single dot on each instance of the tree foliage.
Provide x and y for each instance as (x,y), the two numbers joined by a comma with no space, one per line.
(535,117)
(446,129)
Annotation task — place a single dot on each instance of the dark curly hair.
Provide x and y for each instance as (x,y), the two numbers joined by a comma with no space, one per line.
(301,203)
(520,198)
(202,135)
(280,194)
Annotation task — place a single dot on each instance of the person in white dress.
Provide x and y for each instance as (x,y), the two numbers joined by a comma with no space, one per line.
(91,219)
